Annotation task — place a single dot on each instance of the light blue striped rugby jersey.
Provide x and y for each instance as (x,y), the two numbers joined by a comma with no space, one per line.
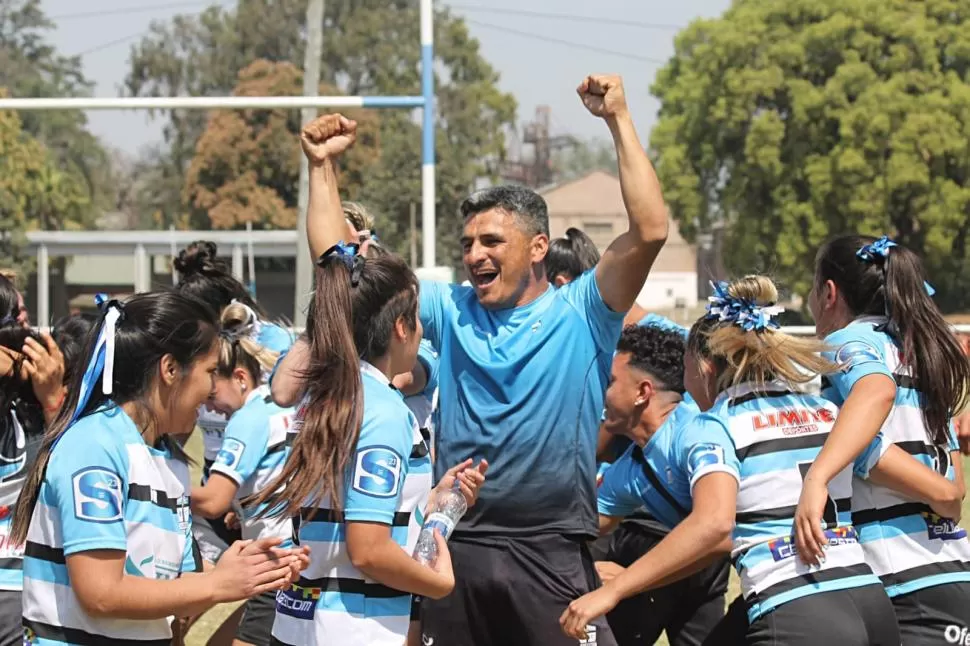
(906,544)
(104,489)
(388,482)
(13,472)
(253,453)
(653,477)
(767,437)
(213,424)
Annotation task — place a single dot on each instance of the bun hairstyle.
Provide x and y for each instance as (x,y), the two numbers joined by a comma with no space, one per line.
(206,277)
(745,345)
(238,344)
(571,256)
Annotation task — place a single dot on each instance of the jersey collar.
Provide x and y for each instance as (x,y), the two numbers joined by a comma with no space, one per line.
(747,387)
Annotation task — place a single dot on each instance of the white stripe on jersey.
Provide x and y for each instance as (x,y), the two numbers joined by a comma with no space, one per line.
(769,572)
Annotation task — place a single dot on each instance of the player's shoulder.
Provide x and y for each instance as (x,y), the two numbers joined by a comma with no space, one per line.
(858,341)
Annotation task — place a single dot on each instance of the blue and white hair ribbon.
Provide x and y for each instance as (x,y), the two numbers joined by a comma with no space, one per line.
(349,253)
(742,312)
(876,253)
(255,325)
(102,363)
(343,250)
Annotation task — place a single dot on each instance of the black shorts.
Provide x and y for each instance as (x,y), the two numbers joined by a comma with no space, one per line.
(512,591)
(937,615)
(256,625)
(688,610)
(855,617)
(11,618)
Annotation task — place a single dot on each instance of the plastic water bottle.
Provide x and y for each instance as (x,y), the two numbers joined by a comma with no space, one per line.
(447,510)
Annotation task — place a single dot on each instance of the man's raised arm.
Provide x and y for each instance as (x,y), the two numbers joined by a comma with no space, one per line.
(623,269)
(324,139)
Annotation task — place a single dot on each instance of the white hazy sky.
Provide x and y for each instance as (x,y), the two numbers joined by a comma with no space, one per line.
(537,72)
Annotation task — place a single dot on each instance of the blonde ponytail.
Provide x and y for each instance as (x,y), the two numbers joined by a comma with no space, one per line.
(749,352)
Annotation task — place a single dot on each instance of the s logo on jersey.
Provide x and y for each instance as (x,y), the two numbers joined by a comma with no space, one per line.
(377,472)
(97,495)
(230,453)
(855,353)
(704,455)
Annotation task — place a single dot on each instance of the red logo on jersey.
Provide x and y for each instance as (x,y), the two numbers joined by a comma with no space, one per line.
(793,421)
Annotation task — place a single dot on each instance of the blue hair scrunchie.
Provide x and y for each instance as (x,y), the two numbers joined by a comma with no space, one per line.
(744,313)
(349,253)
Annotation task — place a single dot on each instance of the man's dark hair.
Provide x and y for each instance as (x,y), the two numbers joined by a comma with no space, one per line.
(656,351)
(526,205)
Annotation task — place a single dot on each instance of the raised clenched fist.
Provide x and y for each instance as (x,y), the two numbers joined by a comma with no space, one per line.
(602,94)
(327,137)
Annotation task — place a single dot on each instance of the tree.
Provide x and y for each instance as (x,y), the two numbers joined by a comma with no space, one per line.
(31,67)
(793,120)
(370,48)
(246,165)
(33,189)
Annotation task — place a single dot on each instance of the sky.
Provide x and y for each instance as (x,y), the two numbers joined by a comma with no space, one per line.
(632,38)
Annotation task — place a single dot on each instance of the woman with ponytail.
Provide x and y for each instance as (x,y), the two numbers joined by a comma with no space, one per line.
(252,454)
(741,462)
(900,371)
(104,511)
(359,473)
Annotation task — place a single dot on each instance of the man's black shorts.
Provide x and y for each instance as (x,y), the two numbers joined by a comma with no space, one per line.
(512,590)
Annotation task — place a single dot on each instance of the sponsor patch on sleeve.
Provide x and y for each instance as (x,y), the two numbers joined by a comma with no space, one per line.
(97,495)
(702,456)
(377,472)
(856,353)
(230,453)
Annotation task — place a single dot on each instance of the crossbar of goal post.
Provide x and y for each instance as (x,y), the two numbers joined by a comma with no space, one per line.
(425,101)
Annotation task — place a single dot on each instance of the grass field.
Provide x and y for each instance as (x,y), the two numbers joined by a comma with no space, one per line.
(200,632)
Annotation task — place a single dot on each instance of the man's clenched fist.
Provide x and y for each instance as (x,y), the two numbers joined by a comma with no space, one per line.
(602,94)
(327,137)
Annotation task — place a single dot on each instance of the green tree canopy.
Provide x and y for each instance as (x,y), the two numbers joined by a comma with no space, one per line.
(31,67)
(371,47)
(33,189)
(793,120)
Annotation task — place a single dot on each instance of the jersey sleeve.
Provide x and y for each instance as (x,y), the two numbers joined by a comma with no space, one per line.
(244,445)
(605,324)
(434,297)
(275,338)
(276,366)
(429,359)
(88,482)
(705,447)
(858,351)
(870,456)
(617,494)
(952,443)
(379,467)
